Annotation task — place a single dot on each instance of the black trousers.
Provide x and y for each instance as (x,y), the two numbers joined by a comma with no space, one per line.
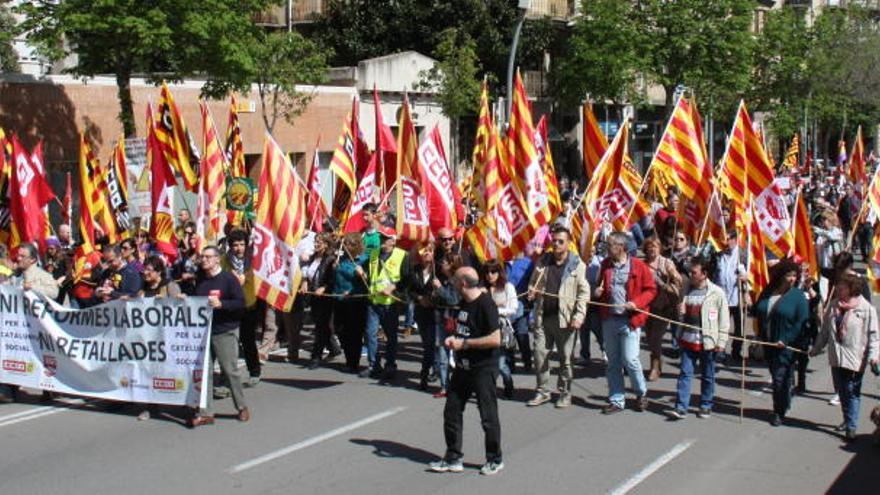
(463,384)
(781,370)
(737,327)
(349,319)
(249,322)
(322,311)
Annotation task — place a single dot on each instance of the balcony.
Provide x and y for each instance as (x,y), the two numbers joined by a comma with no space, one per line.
(273,17)
(305,11)
(560,10)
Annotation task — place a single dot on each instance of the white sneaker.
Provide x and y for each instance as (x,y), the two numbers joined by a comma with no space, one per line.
(442,466)
(491,468)
(834,401)
(604,357)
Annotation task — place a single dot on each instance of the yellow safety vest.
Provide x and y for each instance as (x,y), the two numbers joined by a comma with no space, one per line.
(383,274)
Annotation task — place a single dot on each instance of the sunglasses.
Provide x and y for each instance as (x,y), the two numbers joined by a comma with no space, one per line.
(447,239)
(560,242)
(489,272)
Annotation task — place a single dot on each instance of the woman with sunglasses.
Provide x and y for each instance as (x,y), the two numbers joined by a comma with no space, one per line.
(504,295)
(445,297)
(421,286)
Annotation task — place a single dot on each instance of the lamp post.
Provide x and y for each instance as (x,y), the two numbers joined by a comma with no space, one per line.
(523,6)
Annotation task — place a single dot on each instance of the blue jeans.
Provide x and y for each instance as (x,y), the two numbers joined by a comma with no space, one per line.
(622,348)
(849,386)
(707,378)
(387,317)
(409,315)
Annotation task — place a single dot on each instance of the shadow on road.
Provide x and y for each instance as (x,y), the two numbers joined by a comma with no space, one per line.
(303,384)
(861,473)
(388,448)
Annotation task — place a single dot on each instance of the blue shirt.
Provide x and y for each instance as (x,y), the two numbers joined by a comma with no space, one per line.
(519,271)
(729,269)
(346,280)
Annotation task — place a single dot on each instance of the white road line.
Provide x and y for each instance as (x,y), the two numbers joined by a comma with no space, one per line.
(38,412)
(312,441)
(652,468)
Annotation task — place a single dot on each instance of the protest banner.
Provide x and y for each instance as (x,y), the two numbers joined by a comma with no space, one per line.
(147,350)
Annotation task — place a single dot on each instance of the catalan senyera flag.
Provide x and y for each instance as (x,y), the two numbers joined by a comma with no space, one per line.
(413,220)
(874,193)
(316,210)
(280,224)
(483,236)
(545,158)
(91,201)
(632,204)
(99,204)
(682,156)
(873,265)
(351,156)
(790,161)
(161,194)
(713,229)
(524,160)
(115,186)
(758,274)
(802,232)
(234,149)
(175,140)
(481,150)
(594,141)
(857,172)
(601,204)
(747,176)
(212,186)
(5,173)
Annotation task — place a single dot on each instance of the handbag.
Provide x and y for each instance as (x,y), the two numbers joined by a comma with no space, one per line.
(508,336)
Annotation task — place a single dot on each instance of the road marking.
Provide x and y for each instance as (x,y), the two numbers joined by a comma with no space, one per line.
(38,412)
(312,441)
(652,468)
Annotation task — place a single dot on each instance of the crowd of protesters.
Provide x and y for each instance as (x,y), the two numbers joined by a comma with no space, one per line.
(476,320)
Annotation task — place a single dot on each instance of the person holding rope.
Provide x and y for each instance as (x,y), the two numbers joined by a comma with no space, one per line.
(350,308)
(703,335)
(782,313)
(626,286)
(318,280)
(560,291)
(849,329)
(668,282)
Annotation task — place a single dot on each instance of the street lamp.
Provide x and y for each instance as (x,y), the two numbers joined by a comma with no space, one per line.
(523,6)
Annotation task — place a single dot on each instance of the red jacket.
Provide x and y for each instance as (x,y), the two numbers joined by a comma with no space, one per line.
(640,289)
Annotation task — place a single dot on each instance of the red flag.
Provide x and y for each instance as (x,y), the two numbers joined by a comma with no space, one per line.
(28,192)
(68,201)
(412,210)
(386,148)
(317,210)
(162,193)
(367,192)
(442,194)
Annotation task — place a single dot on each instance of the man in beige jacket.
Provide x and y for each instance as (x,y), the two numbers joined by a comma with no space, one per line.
(561,292)
(32,276)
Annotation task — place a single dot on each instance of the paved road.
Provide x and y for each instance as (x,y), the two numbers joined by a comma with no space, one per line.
(324,431)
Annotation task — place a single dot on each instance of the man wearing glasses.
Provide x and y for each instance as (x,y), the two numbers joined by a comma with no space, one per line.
(625,283)
(560,290)
(121,279)
(226,298)
(446,243)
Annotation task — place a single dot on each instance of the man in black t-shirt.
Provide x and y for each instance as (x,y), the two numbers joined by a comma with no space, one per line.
(475,344)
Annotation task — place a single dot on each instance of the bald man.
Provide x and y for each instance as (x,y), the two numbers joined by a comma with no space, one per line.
(447,243)
(475,343)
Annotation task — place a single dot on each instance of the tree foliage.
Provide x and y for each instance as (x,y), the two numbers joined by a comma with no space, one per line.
(277,63)
(162,39)
(8,56)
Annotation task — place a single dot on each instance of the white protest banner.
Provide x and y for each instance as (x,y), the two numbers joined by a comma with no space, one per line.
(148,350)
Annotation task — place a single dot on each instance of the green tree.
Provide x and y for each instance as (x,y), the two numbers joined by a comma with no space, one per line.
(706,45)
(455,78)
(162,39)
(8,56)
(602,56)
(277,63)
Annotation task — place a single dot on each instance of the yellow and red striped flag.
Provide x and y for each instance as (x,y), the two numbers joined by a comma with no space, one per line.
(234,150)
(171,132)
(545,158)
(594,141)
(874,193)
(413,221)
(349,163)
(791,156)
(212,186)
(682,156)
(857,172)
(873,265)
(713,229)
(5,170)
(480,154)
(804,247)
(747,178)
(524,161)
(161,194)
(758,274)
(280,223)
(100,205)
(602,202)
